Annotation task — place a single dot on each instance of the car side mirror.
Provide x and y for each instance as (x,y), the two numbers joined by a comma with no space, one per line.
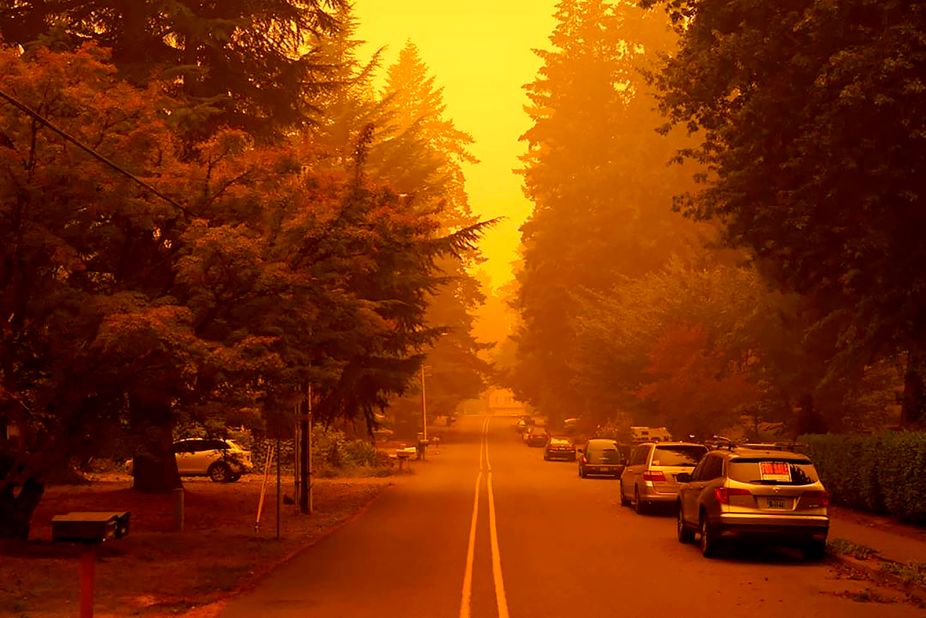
(683,477)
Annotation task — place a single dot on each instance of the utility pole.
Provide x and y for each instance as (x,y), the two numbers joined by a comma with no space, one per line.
(308,455)
(305,429)
(424,409)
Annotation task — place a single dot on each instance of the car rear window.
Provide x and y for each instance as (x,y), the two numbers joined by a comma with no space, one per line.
(678,455)
(607,455)
(559,441)
(771,471)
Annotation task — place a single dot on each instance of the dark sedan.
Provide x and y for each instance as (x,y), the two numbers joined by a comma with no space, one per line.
(537,436)
(559,447)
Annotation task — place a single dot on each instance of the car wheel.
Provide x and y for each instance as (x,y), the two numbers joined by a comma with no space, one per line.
(546,457)
(815,550)
(220,473)
(581,472)
(638,504)
(685,534)
(624,500)
(708,542)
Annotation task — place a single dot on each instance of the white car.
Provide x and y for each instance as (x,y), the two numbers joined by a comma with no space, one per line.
(224,461)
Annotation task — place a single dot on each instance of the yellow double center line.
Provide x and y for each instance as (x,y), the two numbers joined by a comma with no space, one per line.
(485,466)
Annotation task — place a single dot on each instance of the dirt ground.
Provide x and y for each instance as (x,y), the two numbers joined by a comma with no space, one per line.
(157,571)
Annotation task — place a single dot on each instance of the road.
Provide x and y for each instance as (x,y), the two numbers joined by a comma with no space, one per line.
(535,541)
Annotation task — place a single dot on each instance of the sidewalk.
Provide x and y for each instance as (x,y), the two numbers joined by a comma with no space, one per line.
(891,539)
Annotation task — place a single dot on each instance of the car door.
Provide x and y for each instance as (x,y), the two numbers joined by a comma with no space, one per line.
(185,453)
(707,480)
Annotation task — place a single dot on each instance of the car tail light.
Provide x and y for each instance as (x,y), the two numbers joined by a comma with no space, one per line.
(723,493)
(654,476)
(814,499)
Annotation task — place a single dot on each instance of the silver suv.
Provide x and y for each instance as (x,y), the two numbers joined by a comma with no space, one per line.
(770,495)
(651,474)
(221,460)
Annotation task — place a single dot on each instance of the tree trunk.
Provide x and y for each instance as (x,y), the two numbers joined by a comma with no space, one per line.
(154,468)
(913,407)
(17,502)
(808,419)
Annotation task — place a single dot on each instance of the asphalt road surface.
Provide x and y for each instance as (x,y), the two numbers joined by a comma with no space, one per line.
(487,528)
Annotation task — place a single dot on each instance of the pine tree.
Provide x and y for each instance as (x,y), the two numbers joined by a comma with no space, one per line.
(240,64)
(596,172)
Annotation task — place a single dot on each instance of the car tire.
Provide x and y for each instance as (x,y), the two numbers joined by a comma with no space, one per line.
(815,551)
(234,478)
(581,472)
(546,457)
(708,542)
(685,534)
(219,472)
(624,500)
(638,505)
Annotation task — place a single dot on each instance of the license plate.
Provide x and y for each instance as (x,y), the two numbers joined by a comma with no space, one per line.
(776,503)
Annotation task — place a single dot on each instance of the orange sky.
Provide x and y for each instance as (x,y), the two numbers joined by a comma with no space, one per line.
(479,51)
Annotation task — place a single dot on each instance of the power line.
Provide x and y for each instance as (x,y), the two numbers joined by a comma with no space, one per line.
(41,119)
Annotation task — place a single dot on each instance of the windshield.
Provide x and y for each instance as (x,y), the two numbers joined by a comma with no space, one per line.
(770,471)
(678,455)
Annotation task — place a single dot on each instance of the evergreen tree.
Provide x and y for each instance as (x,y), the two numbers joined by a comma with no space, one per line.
(420,152)
(595,171)
(241,64)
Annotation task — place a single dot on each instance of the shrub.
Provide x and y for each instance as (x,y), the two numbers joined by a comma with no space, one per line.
(881,473)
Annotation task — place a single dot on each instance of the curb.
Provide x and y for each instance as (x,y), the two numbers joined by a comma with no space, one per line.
(871,568)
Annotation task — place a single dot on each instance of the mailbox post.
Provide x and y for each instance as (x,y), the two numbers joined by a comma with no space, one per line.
(91,529)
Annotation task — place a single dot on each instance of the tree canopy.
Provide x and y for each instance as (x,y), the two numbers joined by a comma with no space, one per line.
(809,120)
(595,171)
(129,312)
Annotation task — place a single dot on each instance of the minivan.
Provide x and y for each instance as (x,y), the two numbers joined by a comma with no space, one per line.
(650,476)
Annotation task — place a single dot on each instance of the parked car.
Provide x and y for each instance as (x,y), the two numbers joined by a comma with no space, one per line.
(224,461)
(536,435)
(602,456)
(650,477)
(768,495)
(559,447)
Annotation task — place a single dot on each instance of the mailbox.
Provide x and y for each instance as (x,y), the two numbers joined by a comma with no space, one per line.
(90,526)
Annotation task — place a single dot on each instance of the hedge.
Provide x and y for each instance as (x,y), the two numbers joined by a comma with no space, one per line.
(883,473)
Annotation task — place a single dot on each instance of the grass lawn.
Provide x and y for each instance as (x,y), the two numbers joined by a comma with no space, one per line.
(156,571)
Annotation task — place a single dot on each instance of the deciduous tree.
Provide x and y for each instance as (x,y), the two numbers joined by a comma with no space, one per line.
(809,117)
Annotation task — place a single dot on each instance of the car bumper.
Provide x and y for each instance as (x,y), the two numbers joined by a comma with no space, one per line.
(607,470)
(651,496)
(561,454)
(240,468)
(773,527)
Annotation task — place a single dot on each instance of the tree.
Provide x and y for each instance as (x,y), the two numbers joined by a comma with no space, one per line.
(75,240)
(810,117)
(687,333)
(242,64)
(127,310)
(595,172)
(420,152)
